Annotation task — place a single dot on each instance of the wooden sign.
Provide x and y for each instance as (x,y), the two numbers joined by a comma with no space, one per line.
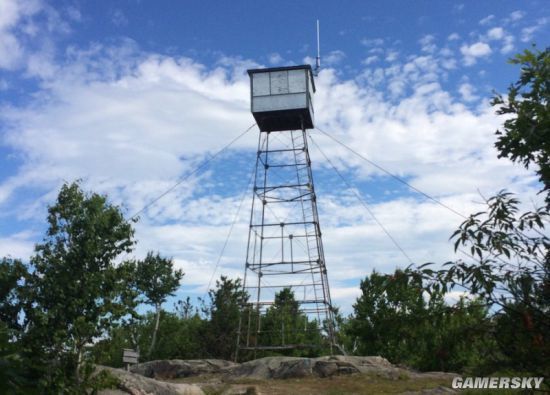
(130,356)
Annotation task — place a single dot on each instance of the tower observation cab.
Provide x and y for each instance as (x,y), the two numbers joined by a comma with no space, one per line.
(285,263)
(281,98)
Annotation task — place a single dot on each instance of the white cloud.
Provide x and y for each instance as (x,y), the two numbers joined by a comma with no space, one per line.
(275,58)
(26,31)
(18,246)
(527,33)
(134,129)
(496,33)
(426,128)
(11,14)
(467,91)
(74,13)
(517,15)
(448,63)
(499,34)
(455,296)
(392,56)
(487,20)
(458,7)
(372,42)
(428,43)
(508,44)
(472,52)
(118,18)
(308,60)
(370,60)
(333,58)
(342,295)
(453,37)
(10,52)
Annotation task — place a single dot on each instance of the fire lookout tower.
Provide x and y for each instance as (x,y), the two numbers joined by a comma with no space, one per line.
(285,273)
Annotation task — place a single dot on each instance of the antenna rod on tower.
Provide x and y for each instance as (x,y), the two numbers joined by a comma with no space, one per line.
(318,59)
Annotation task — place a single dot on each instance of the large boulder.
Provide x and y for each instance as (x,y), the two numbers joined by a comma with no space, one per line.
(294,367)
(135,384)
(177,368)
(328,368)
(272,367)
(290,367)
(216,372)
(339,364)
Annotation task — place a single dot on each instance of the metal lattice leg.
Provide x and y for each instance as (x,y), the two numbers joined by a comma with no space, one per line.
(285,272)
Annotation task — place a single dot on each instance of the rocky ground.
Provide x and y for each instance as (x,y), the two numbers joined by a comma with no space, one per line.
(278,375)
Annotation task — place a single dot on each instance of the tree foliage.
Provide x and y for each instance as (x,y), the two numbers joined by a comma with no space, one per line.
(180,338)
(156,279)
(395,319)
(187,333)
(510,272)
(284,324)
(12,274)
(525,136)
(509,248)
(72,292)
(224,311)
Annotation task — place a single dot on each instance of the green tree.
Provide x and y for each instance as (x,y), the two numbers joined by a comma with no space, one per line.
(525,136)
(108,351)
(510,273)
(223,312)
(285,325)
(510,248)
(346,344)
(386,315)
(156,279)
(14,374)
(182,337)
(395,319)
(185,309)
(74,292)
(12,367)
(12,275)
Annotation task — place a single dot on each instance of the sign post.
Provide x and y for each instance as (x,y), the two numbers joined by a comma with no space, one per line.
(129,356)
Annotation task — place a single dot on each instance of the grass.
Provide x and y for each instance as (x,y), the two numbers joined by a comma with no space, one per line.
(336,385)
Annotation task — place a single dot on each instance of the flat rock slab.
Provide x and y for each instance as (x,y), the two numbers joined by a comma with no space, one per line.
(178,368)
(293,367)
(228,377)
(281,368)
(135,384)
(272,368)
(338,365)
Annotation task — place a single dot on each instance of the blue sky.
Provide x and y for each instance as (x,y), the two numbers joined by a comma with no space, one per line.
(131,95)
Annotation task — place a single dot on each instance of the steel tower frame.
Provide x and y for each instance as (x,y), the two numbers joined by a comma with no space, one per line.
(285,248)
